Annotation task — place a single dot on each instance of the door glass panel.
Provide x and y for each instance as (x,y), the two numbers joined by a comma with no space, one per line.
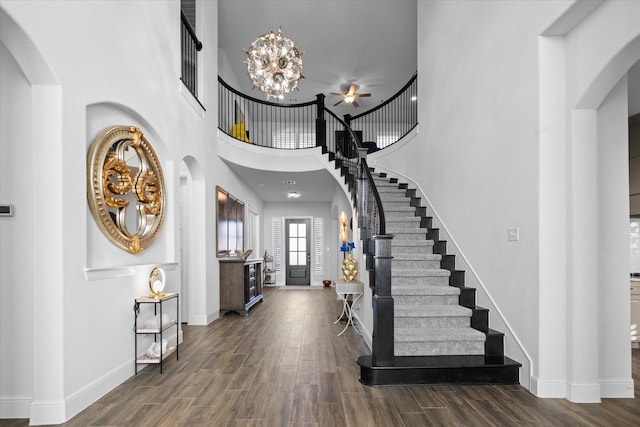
(297,244)
(297,238)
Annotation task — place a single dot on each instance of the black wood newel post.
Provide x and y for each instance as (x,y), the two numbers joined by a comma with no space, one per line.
(383,337)
(363,191)
(321,127)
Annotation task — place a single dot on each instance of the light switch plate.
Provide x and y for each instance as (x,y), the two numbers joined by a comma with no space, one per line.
(6,210)
(513,234)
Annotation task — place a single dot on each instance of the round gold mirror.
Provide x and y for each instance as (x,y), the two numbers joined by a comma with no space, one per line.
(125,188)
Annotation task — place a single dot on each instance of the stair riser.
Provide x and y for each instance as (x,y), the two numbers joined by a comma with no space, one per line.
(394,198)
(399,235)
(405,227)
(391,190)
(403,222)
(394,204)
(442,348)
(415,264)
(402,215)
(425,299)
(412,280)
(432,322)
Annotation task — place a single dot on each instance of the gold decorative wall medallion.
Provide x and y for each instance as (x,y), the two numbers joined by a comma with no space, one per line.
(125,187)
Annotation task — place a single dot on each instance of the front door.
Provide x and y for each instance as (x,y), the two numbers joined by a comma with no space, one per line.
(298,258)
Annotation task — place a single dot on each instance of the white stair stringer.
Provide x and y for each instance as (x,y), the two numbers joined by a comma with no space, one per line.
(428,320)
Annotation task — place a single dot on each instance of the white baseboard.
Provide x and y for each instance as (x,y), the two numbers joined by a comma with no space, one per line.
(59,411)
(89,394)
(199,320)
(366,334)
(584,392)
(548,389)
(15,407)
(47,412)
(617,388)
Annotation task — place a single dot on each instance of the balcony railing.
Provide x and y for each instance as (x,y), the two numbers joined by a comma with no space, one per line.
(390,121)
(311,124)
(190,48)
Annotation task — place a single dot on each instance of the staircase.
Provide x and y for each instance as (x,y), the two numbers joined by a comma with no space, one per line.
(428,319)
(440,335)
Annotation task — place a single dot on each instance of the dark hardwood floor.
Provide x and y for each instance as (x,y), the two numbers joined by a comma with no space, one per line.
(284,365)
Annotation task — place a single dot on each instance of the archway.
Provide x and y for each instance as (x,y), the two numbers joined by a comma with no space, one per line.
(44,400)
(584,208)
(192,242)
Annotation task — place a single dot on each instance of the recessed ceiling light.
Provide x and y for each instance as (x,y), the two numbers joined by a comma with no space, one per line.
(293,194)
(414,98)
(289,182)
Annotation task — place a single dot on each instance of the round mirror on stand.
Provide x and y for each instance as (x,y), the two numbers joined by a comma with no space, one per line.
(156,282)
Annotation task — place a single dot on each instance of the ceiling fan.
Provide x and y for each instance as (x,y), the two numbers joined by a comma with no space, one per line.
(350,96)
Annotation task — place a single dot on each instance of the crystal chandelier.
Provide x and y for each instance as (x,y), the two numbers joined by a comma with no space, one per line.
(274,64)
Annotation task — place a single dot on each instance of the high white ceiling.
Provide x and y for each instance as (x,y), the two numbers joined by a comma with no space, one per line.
(371,43)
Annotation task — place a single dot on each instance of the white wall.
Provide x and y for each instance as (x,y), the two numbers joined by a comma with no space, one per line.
(122,68)
(475,156)
(16,252)
(511,136)
(613,240)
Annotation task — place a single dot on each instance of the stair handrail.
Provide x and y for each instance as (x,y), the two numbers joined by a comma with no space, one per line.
(376,245)
(360,171)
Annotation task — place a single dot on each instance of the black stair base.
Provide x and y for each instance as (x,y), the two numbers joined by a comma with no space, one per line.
(412,370)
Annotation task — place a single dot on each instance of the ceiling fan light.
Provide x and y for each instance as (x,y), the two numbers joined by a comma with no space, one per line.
(349,99)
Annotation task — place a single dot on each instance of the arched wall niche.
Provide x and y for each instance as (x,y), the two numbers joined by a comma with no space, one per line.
(101,253)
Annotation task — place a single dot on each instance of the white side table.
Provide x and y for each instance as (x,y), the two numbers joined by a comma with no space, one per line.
(344,289)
